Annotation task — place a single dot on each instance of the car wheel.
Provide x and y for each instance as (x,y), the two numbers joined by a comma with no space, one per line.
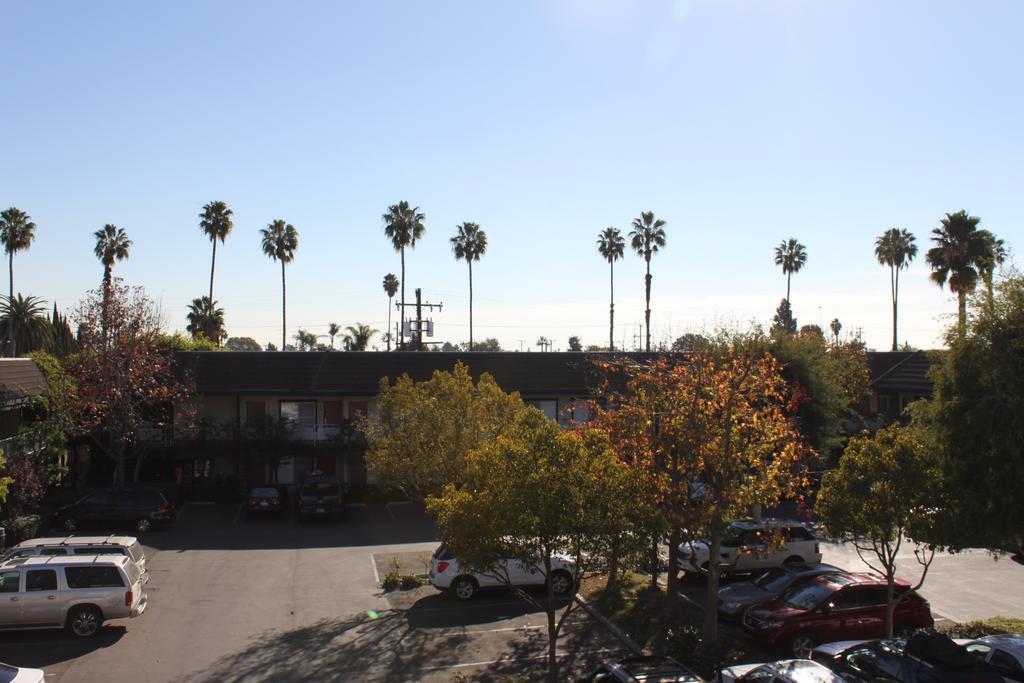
(84,621)
(69,524)
(802,645)
(143,525)
(561,583)
(464,587)
(793,561)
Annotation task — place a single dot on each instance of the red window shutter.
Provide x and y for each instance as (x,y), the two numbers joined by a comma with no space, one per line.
(332,413)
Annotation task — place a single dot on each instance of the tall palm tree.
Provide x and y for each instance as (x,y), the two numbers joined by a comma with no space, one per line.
(959,253)
(995,255)
(895,248)
(390,288)
(469,243)
(332,331)
(646,238)
(358,337)
(215,222)
(836,328)
(206,320)
(792,256)
(24,326)
(611,246)
(16,234)
(305,341)
(112,245)
(403,225)
(280,240)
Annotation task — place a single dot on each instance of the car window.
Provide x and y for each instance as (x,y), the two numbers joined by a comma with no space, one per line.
(93,577)
(320,489)
(759,675)
(9,581)
(850,597)
(264,493)
(798,533)
(807,596)
(53,551)
(873,596)
(774,579)
(40,580)
(978,649)
(1007,665)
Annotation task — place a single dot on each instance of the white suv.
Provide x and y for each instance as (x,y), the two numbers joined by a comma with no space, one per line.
(81,545)
(751,546)
(445,572)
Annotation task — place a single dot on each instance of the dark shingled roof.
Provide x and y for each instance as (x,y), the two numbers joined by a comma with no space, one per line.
(19,380)
(531,374)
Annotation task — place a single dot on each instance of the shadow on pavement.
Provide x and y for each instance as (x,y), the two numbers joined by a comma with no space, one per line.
(41,649)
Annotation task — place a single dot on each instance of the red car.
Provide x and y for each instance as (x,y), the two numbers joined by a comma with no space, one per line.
(834,607)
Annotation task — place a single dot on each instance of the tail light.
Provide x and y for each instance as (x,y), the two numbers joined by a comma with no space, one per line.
(166,510)
(275,502)
(128,598)
(252,503)
(300,503)
(441,566)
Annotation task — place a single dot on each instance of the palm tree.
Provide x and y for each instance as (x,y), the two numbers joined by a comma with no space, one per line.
(646,238)
(390,288)
(836,327)
(215,221)
(792,256)
(332,330)
(305,341)
(16,234)
(960,251)
(403,225)
(469,243)
(995,255)
(611,246)
(895,248)
(280,240)
(24,326)
(112,245)
(206,320)
(358,337)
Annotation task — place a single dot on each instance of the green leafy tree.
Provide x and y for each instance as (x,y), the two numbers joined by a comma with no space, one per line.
(24,326)
(280,240)
(784,320)
(16,234)
(881,497)
(975,423)
(791,256)
(490,344)
(895,248)
(995,255)
(242,344)
(611,246)
(403,225)
(215,222)
(575,344)
(531,494)
(469,244)
(357,337)
(112,245)
(64,342)
(421,434)
(304,340)
(960,251)
(206,320)
(647,238)
(390,288)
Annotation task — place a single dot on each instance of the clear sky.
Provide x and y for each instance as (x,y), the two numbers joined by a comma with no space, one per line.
(740,122)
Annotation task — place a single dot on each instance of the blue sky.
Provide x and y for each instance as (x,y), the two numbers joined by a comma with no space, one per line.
(739,122)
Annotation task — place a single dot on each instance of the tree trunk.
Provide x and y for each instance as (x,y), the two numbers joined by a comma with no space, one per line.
(711,606)
(655,561)
(213,264)
(611,310)
(788,276)
(389,325)
(470,304)
(613,567)
(284,306)
(401,317)
(962,312)
(890,606)
(647,313)
(674,539)
(10,268)
(895,295)
(106,303)
(552,628)
(119,464)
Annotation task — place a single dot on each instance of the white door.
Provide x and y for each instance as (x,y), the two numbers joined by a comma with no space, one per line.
(10,597)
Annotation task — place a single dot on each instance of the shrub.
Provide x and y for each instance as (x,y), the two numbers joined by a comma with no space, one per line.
(391,581)
(22,528)
(408,582)
(984,627)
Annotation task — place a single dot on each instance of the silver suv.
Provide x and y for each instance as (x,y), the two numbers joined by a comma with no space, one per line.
(81,545)
(78,593)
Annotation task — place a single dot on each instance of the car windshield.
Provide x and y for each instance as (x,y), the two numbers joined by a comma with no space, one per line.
(264,493)
(320,489)
(773,580)
(8,673)
(807,596)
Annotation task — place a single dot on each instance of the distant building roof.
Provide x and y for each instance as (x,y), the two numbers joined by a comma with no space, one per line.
(20,379)
(533,374)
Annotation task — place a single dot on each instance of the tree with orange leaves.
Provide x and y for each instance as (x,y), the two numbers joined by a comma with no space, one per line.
(715,434)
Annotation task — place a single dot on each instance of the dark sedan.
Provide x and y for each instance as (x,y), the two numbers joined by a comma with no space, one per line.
(734,599)
(923,658)
(321,496)
(264,500)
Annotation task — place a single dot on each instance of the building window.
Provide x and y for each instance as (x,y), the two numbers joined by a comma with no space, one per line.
(547,406)
(300,416)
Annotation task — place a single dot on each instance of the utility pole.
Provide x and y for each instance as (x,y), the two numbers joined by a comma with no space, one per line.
(416,326)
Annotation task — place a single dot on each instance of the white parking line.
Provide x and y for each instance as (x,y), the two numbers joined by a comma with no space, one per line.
(239,512)
(376,575)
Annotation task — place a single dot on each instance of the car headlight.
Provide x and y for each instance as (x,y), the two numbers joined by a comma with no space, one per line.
(731,606)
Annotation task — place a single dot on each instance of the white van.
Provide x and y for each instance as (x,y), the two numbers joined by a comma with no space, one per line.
(81,545)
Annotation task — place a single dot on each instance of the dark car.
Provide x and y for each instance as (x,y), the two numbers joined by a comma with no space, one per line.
(321,496)
(264,500)
(734,599)
(653,669)
(834,607)
(140,508)
(922,658)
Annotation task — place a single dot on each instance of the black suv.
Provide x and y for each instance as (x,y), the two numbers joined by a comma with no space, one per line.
(321,496)
(142,508)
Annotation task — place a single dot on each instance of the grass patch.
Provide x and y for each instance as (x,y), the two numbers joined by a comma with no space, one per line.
(984,627)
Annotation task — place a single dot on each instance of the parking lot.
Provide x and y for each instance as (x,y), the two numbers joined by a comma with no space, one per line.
(274,599)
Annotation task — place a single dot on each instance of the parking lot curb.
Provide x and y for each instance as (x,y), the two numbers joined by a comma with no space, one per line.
(610,625)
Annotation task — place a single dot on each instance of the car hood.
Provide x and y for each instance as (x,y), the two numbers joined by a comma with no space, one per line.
(745,592)
(774,611)
(832,649)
